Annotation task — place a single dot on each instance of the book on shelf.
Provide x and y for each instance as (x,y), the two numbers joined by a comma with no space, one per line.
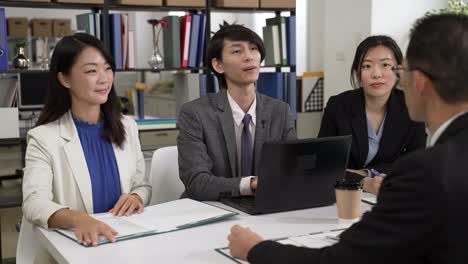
(203,84)
(131,50)
(279,85)
(124,39)
(140,95)
(185,24)
(86,23)
(158,219)
(271,38)
(193,43)
(171,42)
(291,94)
(291,39)
(311,240)
(280,22)
(3,41)
(98,25)
(115,26)
(272,84)
(201,41)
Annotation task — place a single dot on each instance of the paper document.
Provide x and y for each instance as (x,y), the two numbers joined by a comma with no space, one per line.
(369,198)
(160,218)
(313,240)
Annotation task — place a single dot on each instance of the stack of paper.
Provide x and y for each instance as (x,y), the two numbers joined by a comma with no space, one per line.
(313,240)
(160,218)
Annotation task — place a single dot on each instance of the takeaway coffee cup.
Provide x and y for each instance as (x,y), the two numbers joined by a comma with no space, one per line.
(348,199)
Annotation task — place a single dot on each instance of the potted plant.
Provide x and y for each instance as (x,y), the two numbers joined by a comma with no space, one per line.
(453,7)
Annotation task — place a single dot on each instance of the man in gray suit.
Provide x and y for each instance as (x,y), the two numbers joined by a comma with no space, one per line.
(221,135)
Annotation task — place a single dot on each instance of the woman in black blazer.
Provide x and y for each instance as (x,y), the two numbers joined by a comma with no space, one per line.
(374,113)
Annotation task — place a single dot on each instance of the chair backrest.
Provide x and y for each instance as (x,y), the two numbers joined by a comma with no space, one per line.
(28,246)
(164,173)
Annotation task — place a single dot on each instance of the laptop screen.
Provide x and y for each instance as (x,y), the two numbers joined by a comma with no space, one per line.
(301,173)
(32,90)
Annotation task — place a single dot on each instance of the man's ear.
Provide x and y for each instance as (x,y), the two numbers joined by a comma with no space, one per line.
(63,80)
(217,65)
(421,82)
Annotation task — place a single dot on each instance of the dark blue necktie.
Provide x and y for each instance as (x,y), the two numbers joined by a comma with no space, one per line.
(246,148)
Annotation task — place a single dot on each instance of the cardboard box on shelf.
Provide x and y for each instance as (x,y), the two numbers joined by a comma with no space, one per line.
(81,1)
(17,27)
(188,3)
(237,3)
(139,2)
(277,3)
(61,27)
(41,27)
(34,0)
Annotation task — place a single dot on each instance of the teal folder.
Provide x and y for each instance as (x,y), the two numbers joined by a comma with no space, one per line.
(158,219)
(311,240)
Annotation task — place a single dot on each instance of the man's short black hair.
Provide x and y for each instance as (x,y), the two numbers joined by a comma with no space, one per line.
(439,49)
(233,33)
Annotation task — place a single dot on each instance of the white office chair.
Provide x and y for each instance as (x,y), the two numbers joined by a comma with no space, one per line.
(28,246)
(164,174)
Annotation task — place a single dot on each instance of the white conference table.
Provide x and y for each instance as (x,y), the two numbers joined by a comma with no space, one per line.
(193,245)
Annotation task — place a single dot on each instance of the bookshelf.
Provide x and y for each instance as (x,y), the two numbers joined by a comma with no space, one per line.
(108,6)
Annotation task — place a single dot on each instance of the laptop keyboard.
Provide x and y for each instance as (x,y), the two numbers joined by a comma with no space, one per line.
(246,204)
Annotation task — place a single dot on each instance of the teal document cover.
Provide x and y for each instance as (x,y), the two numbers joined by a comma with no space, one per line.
(312,240)
(158,219)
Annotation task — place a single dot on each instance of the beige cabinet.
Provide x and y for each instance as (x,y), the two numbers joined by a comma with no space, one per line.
(157,139)
(160,105)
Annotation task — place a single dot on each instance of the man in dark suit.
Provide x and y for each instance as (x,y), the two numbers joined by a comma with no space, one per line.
(221,135)
(421,213)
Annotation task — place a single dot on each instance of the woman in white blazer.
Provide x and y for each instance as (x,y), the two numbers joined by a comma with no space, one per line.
(84,156)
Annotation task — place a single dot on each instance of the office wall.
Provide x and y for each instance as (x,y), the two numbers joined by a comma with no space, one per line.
(311,16)
(349,22)
(346,24)
(389,18)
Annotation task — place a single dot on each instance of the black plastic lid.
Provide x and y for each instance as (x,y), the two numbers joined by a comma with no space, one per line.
(348,185)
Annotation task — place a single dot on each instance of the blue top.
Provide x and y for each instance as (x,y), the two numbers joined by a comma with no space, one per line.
(102,166)
(374,139)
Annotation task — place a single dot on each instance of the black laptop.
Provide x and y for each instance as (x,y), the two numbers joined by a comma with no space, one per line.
(296,174)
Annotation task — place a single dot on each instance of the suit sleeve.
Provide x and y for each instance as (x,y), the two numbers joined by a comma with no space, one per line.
(38,204)
(195,165)
(141,184)
(289,132)
(397,226)
(328,125)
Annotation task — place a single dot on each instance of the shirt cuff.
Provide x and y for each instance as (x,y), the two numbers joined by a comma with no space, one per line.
(244,186)
(369,174)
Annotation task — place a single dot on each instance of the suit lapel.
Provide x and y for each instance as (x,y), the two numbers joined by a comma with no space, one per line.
(261,128)
(76,160)
(122,164)
(458,125)
(226,122)
(395,128)
(359,127)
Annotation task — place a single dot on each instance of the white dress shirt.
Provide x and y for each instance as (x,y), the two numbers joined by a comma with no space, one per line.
(238,114)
